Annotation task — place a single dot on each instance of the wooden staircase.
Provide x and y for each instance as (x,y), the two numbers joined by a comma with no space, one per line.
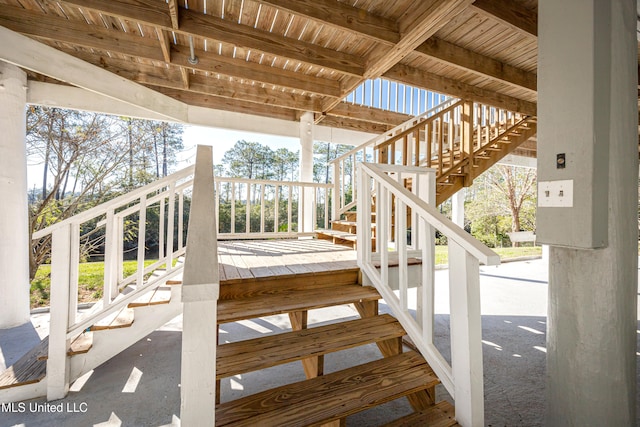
(446,142)
(322,399)
(97,344)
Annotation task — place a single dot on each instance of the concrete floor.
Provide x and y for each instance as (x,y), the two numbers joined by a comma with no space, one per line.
(140,386)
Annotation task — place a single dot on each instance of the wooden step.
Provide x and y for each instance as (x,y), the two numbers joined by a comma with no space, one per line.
(122,318)
(442,414)
(26,370)
(159,295)
(232,310)
(79,345)
(264,352)
(351,390)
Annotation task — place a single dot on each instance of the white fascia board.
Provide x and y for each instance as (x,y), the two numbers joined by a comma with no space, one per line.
(35,56)
(75,98)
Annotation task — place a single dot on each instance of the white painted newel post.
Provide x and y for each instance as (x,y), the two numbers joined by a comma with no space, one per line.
(200,292)
(466,336)
(58,362)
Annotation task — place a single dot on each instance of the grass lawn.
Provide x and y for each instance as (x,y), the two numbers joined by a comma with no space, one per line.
(90,281)
(505,253)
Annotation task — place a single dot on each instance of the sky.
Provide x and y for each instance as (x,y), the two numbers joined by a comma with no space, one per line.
(223,139)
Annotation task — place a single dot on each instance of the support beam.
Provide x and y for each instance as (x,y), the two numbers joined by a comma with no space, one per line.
(199,25)
(510,14)
(14,215)
(52,95)
(430,81)
(343,17)
(588,110)
(485,66)
(27,53)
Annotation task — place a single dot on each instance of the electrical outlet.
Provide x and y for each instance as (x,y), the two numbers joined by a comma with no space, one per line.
(555,194)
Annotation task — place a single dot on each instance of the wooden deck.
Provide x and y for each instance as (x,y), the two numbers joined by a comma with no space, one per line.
(259,259)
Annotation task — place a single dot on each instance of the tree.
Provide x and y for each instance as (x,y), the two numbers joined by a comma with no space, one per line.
(517,185)
(324,154)
(86,158)
(248,160)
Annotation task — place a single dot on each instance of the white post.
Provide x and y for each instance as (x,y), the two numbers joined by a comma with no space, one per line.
(14,217)
(58,362)
(457,208)
(466,336)
(200,292)
(305,218)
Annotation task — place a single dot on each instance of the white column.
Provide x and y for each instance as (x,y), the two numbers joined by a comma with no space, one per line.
(587,98)
(305,218)
(457,208)
(14,218)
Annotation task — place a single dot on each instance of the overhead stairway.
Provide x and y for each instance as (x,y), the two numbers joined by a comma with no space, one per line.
(460,140)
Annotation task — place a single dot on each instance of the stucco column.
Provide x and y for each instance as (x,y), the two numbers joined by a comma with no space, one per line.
(306,172)
(587,103)
(14,225)
(457,208)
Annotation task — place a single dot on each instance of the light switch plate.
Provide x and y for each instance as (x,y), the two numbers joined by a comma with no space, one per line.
(555,194)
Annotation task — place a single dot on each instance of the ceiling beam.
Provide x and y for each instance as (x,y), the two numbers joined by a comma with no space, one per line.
(510,14)
(373,115)
(78,33)
(430,81)
(465,59)
(357,125)
(420,23)
(94,37)
(40,58)
(342,16)
(208,26)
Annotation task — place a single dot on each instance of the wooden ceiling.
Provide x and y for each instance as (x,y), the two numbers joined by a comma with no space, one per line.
(280,58)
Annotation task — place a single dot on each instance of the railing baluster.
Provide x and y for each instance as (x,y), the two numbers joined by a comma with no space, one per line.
(248,210)
(180,219)
(142,229)
(276,209)
(74,262)
(290,209)
(262,189)
(171,225)
(233,208)
(161,248)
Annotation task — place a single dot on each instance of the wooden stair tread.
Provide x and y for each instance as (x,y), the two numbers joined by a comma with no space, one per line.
(442,414)
(159,295)
(232,310)
(351,390)
(264,352)
(338,234)
(28,369)
(122,318)
(79,345)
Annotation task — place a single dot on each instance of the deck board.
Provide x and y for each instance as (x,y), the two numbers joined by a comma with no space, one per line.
(257,259)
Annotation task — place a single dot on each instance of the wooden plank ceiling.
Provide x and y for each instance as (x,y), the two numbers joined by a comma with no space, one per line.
(279,58)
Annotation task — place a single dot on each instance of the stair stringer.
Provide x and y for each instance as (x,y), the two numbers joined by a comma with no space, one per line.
(110,342)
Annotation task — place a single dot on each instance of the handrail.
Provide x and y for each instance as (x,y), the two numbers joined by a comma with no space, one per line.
(117,201)
(463,377)
(400,128)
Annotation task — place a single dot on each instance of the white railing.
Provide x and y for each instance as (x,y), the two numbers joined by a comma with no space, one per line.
(345,166)
(463,379)
(125,217)
(259,209)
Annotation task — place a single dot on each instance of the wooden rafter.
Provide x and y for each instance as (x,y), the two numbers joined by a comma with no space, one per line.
(417,77)
(507,12)
(342,16)
(210,27)
(91,36)
(468,60)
